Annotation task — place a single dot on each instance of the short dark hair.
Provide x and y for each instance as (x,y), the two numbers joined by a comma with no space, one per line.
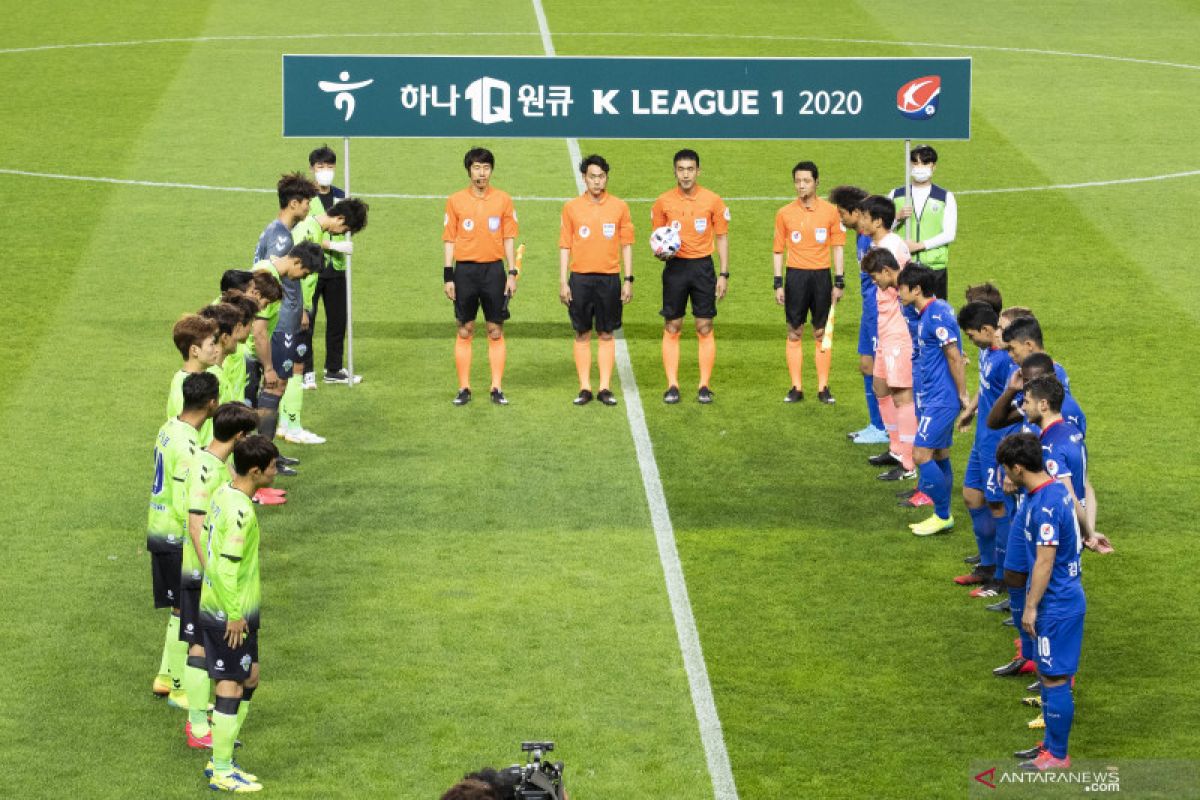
(1047,387)
(973,316)
(879,207)
(469,789)
(1020,450)
(686,154)
(848,198)
(878,259)
(593,160)
(200,389)
(225,315)
(322,155)
(235,279)
(247,307)
(352,211)
(985,293)
(294,186)
(1041,363)
(923,153)
(191,330)
(915,276)
(1024,329)
(267,285)
(806,166)
(478,155)
(312,258)
(231,419)
(253,451)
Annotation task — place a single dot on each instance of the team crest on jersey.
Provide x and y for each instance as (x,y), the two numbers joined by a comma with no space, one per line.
(942,334)
(796,237)
(584,231)
(493,224)
(246,663)
(1052,467)
(700,224)
(468,224)
(822,235)
(918,99)
(1046,532)
(301,349)
(935,205)
(609,230)
(675,225)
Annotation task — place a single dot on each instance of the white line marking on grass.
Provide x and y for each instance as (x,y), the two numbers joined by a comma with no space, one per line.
(576,156)
(711,736)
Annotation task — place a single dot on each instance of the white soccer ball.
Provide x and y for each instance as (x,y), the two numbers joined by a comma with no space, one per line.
(664,242)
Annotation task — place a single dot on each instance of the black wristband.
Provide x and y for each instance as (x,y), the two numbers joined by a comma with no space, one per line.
(839,281)
(778,282)
(513,272)
(725,275)
(629,279)
(447,274)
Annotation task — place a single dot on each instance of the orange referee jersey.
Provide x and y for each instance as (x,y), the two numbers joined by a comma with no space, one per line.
(594,232)
(478,226)
(697,218)
(808,234)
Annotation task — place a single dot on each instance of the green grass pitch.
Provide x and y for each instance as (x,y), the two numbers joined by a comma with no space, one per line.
(446,582)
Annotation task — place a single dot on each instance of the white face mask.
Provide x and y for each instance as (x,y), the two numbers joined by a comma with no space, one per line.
(324,177)
(919,174)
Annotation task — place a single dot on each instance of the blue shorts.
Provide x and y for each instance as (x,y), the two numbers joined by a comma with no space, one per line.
(868,330)
(1059,642)
(935,427)
(983,473)
(287,350)
(1016,558)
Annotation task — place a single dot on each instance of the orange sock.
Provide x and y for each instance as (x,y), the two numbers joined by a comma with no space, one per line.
(707,345)
(670,350)
(606,354)
(795,362)
(906,423)
(824,359)
(583,363)
(887,410)
(496,354)
(462,360)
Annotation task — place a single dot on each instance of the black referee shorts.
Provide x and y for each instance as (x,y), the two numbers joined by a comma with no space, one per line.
(595,301)
(807,291)
(685,278)
(479,284)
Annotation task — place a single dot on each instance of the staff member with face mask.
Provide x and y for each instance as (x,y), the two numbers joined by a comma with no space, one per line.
(329,285)
(931,218)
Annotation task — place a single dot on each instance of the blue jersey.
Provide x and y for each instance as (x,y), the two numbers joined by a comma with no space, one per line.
(995,369)
(1065,454)
(1049,521)
(936,328)
(870,308)
(863,246)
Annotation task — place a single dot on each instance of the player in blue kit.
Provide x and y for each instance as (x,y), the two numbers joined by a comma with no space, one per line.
(1055,603)
(982,490)
(942,394)
(847,199)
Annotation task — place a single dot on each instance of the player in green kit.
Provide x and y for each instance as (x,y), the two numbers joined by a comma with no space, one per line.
(344,216)
(234,365)
(197,340)
(229,605)
(166,526)
(231,422)
(230,327)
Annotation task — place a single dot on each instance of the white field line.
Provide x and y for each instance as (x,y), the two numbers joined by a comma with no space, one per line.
(575,155)
(711,736)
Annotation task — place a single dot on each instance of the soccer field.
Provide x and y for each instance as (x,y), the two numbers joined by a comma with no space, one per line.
(445,582)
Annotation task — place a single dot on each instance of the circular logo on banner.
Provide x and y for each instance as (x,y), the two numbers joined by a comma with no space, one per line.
(795,237)
(584,231)
(468,224)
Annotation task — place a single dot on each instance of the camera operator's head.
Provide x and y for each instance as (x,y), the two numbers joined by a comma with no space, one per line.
(470,789)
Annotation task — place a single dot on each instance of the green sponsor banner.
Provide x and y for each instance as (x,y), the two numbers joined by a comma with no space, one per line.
(626,98)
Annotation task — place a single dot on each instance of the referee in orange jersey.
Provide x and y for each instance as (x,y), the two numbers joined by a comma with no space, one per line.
(478,234)
(701,218)
(596,229)
(808,232)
